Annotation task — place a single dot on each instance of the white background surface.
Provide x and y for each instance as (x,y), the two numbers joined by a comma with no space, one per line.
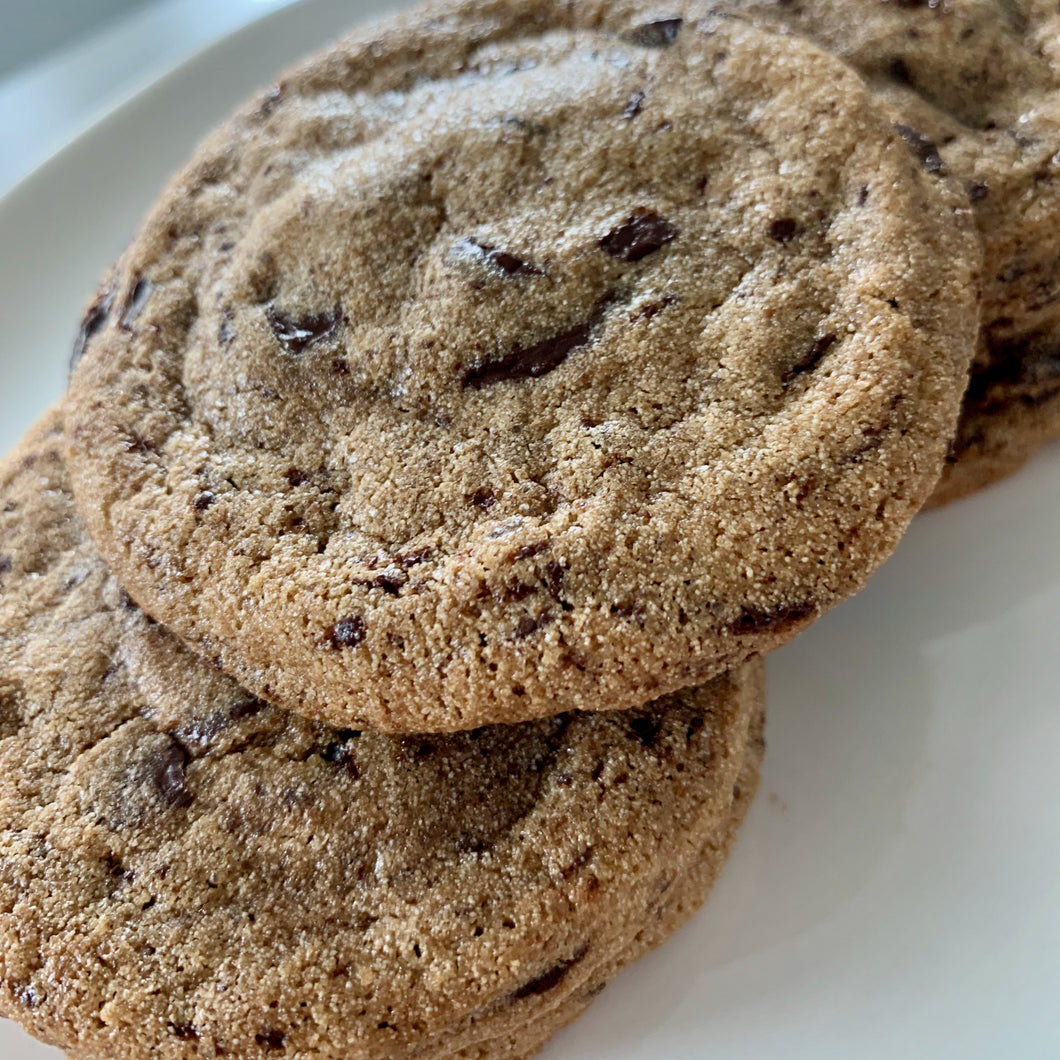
(896,890)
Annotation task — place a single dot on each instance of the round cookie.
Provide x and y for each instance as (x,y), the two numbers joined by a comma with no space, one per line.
(186,871)
(977,85)
(512,359)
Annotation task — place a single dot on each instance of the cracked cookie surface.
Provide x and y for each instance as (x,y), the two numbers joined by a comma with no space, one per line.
(979,82)
(187,871)
(512,359)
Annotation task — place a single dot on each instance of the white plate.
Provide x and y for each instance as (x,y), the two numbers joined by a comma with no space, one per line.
(896,889)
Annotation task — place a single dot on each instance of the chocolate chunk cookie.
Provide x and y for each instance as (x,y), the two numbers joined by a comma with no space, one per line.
(976,84)
(186,871)
(511,359)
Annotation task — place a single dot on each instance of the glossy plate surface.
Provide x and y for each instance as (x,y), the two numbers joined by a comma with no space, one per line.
(896,888)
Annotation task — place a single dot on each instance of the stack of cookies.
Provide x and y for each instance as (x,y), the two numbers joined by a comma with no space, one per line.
(382,610)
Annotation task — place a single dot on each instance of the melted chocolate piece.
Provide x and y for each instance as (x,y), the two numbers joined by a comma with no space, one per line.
(200,734)
(821,345)
(531,624)
(767,621)
(783,229)
(168,775)
(134,304)
(537,360)
(271,1039)
(483,499)
(923,148)
(348,632)
(297,334)
(644,233)
(550,979)
(1024,370)
(661,33)
(91,324)
(508,263)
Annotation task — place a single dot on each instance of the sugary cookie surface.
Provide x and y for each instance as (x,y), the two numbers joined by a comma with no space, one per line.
(509,359)
(186,871)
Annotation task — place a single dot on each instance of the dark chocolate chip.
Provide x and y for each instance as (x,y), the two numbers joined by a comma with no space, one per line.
(185,1032)
(550,979)
(348,632)
(134,304)
(661,33)
(91,324)
(296,477)
(297,334)
(536,360)
(200,734)
(271,1039)
(483,498)
(646,730)
(783,229)
(863,194)
(923,148)
(203,501)
(389,580)
(768,621)
(408,560)
(642,234)
(821,345)
(340,366)
(529,624)
(168,773)
(531,550)
(510,264)
(633,107)
(554,577)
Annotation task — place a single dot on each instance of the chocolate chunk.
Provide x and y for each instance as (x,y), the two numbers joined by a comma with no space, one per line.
(767,621)
(483,498)
(348,632)
(297,334)
(923,148)
(408,560)
(526,551)
(203,501)
(91,324)
(821,345)
(169,777)
(508,263)
(529,624)
(554,578)
(134,304)
(661,33)
(783,229)
(200,734)
(550,979)
(271,1039)
(642,234)
(633,107)
(646,730)
(537,360)
(389,580)
(296,477)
